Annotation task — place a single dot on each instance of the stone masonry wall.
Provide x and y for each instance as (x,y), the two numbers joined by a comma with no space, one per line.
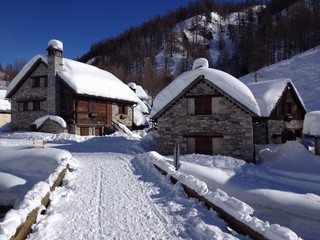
(50,126)
(234,124)
(21,120)
(125,119)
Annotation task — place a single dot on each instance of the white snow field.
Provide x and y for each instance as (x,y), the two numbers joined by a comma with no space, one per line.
(112,191)
(108,198)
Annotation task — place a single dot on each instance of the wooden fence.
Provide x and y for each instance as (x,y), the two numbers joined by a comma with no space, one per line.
(24,229)
(232,222)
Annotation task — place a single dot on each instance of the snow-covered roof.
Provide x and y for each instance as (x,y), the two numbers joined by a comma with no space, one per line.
(38,122)
(141,93)
(222,80)
(311,124)
(5,105)
(83,79)
(268,93)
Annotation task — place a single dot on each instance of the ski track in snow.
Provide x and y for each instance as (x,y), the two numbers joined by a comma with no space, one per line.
(107,198)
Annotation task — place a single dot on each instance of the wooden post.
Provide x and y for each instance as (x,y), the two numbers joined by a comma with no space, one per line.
(176,159)
(317,145)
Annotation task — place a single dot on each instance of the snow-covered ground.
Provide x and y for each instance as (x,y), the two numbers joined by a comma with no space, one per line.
(112,192)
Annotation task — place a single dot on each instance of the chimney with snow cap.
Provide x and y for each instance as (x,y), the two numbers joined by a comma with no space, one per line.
(200,62)
(55,64)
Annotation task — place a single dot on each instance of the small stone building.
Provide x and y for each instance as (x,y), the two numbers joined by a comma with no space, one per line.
(207,111)
(281,111)
(89,99)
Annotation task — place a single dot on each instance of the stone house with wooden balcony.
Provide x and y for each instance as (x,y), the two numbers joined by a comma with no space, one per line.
(210,112)
(88,99)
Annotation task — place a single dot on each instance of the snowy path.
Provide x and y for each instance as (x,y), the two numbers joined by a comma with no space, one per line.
(107,198)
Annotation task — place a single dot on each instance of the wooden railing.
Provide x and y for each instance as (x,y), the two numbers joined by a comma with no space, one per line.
(24,229)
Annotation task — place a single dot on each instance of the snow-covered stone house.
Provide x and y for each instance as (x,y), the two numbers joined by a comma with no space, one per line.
(207,111)
(210,112)
(88,99)
(281,111)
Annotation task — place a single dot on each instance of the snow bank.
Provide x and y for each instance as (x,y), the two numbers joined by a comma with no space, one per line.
(231,205)
(311,124)
(38,122)
(31,165)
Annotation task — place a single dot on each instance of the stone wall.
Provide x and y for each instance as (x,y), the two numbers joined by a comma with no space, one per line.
(51,126)
(276,128)
(125,119)
(232,123)
(21,120)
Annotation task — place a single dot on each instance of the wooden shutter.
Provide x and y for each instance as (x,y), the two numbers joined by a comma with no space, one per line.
(203,106)
(203,145)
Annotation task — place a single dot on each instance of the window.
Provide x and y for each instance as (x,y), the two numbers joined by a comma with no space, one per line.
(36,106)
(36,82)
(123,109)
(22,106)
(287,108)
(203,105)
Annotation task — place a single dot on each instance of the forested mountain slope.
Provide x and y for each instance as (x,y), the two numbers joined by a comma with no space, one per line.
(236,38)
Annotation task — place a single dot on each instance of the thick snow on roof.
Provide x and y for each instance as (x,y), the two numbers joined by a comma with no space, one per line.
(84,79)
(90,80)
(267,93)
(38,122)
(5,105)
(311,124)
(141,93)
(222,80)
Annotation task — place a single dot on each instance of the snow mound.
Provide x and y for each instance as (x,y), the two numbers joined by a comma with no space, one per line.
(311,124)
(8,181)
(200,62)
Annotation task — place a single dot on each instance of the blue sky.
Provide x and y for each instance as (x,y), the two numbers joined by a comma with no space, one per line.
(27,26)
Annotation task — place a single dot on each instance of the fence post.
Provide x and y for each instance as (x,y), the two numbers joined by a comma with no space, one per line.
(176,159)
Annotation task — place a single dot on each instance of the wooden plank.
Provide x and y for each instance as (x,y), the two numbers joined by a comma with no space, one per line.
(234,223)
(24,229)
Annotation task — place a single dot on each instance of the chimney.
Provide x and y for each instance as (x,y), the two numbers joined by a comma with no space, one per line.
(55,64)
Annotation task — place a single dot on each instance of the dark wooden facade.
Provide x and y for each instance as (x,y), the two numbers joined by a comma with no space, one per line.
(92,115)
(285,121)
